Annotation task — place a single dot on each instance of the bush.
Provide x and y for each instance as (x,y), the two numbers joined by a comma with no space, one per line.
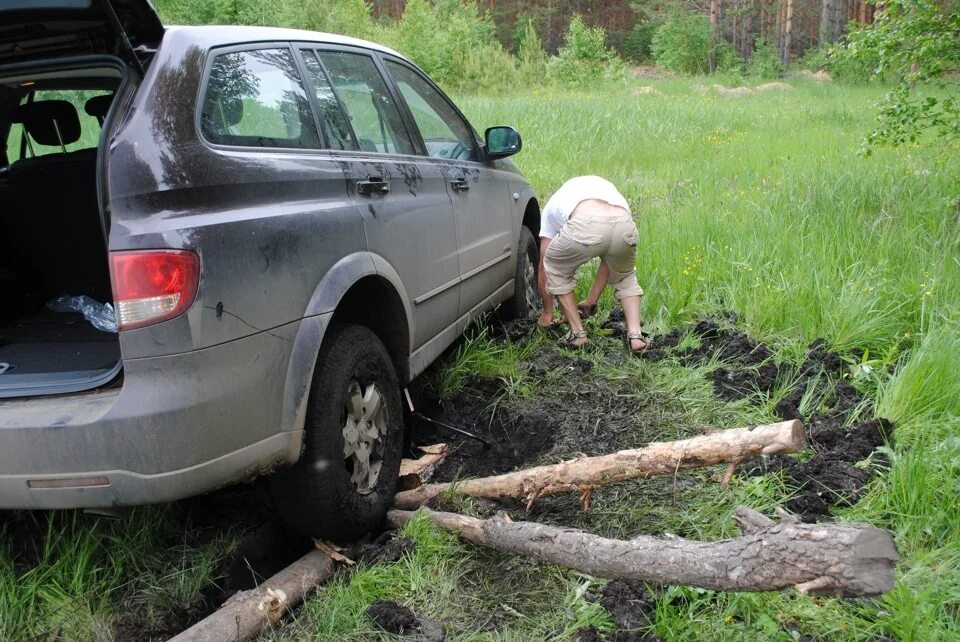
(531,58)
(682,44)
(345,17)
(584,56)
(453,43)
(637,44)
(764,63)
(851,64)
(841,61)
(813,59)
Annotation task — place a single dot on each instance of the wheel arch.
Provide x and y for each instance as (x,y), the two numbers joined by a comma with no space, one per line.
(531,217)
(361,288)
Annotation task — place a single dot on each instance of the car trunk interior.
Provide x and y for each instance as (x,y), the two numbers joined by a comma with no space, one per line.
(52,241)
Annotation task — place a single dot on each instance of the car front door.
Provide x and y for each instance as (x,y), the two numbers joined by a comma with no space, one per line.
(481,200)
(402,197)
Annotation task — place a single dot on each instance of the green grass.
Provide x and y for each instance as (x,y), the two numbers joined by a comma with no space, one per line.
(761,204)
(67,576)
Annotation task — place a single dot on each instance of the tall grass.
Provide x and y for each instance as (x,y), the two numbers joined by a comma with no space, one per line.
(67,576)
(761,204)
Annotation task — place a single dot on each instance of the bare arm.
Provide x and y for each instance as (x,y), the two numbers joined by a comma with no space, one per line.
(600,282)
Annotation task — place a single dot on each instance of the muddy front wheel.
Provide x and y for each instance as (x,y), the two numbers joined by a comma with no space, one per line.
(526,301)
(344,482)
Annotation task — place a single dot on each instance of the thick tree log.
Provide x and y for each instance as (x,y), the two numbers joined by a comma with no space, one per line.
(587,473)
(823,559)
(248,614)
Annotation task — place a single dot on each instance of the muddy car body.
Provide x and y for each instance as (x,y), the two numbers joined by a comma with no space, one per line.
(264,207)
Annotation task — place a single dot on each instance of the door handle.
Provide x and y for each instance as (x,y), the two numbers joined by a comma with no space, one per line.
(373,185)
(460,185)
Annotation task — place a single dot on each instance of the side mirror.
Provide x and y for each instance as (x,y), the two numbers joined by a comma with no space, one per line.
(502,142)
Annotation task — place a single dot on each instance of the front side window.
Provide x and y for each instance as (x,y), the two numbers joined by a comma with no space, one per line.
(444,132)
(373,115)
(256,99)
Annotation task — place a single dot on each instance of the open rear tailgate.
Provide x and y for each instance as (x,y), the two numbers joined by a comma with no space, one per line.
(32,29)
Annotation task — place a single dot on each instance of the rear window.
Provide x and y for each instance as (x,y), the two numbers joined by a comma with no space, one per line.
(256,99)
(21,145)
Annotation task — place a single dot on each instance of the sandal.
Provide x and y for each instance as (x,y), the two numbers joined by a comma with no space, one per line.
(637,336)
(575,339)
(586,310)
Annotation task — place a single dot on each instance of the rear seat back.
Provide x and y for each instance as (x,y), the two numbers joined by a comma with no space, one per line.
(51,216)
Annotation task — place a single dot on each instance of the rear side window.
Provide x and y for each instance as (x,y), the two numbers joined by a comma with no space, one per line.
(372,112)
(256,99)
(333,120)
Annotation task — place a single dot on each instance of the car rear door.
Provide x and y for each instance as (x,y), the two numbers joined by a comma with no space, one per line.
(481,202)
(402,197)
(34,29)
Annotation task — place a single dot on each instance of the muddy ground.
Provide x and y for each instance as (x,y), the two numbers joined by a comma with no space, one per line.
(578,406)
(578,410)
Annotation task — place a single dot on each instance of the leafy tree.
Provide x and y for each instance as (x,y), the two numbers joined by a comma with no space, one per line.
(584,55)
(638,42)
(915,41)
(682,44)
(764,63)
(529,46)
(346,17)
(453,43)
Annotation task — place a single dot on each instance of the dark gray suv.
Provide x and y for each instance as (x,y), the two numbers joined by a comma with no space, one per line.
(288,226)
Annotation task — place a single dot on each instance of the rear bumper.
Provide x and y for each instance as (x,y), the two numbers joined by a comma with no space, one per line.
(180,425)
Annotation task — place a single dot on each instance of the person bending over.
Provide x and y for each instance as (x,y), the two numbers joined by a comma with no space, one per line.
(586,218)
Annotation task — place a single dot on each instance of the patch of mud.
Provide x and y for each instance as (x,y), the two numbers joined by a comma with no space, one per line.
(830,477)
(585,418)
(392,617)
(631,605)
(514,438)
(588,634)
(386,549)
(262,553)
(399,620)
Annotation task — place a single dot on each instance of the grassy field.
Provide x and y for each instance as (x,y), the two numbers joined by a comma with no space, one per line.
(757,203)
(761,204)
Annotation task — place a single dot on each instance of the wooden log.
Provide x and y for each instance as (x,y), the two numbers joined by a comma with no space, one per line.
(587,473)
(824,559)
(249,614)
(432,455)
(415,472)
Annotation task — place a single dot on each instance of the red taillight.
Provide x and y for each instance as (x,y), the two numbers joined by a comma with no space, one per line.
(153,285)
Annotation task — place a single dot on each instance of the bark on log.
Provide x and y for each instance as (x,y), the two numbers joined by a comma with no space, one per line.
(249,614)
(585,474)
(824,559)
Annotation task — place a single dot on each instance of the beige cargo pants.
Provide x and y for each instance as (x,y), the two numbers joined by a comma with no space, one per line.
(608,232)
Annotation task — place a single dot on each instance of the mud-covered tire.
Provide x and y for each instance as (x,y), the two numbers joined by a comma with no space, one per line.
(316,496)
(526,299)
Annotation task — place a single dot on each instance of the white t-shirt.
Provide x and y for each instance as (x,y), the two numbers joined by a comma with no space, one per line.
(576,190)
